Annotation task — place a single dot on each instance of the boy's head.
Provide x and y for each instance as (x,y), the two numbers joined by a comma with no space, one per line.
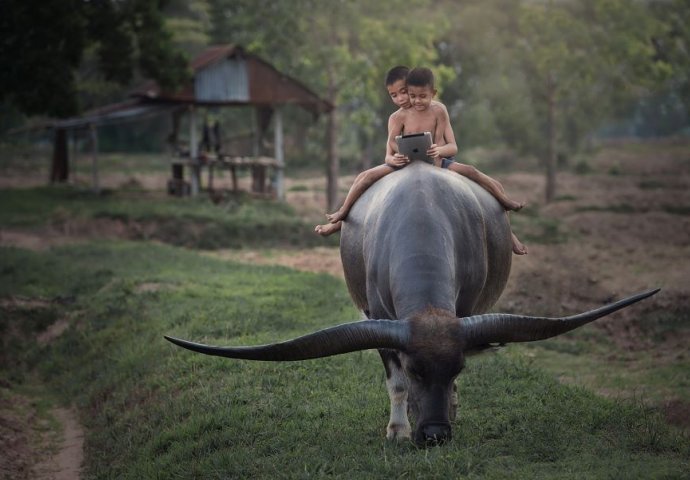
(420,87)
(397,73)
(396,85)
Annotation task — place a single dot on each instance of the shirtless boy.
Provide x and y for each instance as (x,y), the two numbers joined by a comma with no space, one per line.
(413,92)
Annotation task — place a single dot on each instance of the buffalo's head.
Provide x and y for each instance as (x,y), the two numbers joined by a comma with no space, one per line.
(429,347)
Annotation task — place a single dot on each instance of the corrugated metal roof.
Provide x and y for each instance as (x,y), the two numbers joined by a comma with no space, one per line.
(114,113)
(224,75)
(250,80)
(223,81)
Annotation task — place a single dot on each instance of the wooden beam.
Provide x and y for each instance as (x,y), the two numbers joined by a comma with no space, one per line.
(195,176)
(95,184)
(279,153)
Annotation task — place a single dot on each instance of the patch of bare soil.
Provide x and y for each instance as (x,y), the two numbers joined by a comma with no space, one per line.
(53,331)
(17,438)
(677,412)
(73,230)
(66,461)
(319,259)
(32,446)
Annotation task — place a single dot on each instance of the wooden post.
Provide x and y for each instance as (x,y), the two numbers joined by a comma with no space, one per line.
(551,145)
(60,166)
(256,150)
(95,184)
(194,178)
(72,150)
(279,154)
(233,172)
(256,133)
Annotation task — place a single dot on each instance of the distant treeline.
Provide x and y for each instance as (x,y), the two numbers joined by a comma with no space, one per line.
(539,78)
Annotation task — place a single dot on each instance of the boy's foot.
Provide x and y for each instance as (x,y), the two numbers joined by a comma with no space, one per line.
(519,248)
(335,217)
(327,229)
(513,206)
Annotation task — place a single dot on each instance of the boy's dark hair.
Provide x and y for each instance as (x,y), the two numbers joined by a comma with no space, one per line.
(420,77)
(396,73)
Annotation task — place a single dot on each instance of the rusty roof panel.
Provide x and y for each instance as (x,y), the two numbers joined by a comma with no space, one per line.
(268,86)
(263,85)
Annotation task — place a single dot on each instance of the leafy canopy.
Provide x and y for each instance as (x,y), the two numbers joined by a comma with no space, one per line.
(43,42)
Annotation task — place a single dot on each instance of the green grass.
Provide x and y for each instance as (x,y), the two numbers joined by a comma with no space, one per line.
(152,410)
(196,223)
(615,373)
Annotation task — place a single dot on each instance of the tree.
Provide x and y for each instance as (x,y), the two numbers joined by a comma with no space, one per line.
(43,44)
(575,62)
(585,58)
(190,24)
(672,45)
(489,99)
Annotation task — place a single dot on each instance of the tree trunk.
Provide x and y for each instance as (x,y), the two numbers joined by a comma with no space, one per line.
(332,139)
(551,150)
(59,172)
(368,154)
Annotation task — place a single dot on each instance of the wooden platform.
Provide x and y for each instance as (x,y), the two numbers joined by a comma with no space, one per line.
(259,167)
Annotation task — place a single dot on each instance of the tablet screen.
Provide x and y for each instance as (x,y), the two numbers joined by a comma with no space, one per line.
(414,146)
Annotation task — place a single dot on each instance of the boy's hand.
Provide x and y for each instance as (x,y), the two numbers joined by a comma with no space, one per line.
(397,160)
(433,151)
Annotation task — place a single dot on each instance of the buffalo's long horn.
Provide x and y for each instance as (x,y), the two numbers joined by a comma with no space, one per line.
(344,338)
(503,328)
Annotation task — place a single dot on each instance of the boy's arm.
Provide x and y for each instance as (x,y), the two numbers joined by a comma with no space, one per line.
(395,128)
(450,148)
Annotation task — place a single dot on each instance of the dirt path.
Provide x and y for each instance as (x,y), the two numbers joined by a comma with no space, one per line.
(66,462)
(38,445)
(38,440)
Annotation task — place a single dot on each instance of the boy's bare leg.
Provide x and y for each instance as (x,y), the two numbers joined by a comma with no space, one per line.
(328,229)
(489,184)
(363,181)
(519,248)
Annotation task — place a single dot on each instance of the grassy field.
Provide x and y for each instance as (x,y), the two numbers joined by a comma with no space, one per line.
(144,215)
(94,282)
(154,411)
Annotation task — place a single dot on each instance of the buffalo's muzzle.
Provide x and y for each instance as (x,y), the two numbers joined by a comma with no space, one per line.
(432,434)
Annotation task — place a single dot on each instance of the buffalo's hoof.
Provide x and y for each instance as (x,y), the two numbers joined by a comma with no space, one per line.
(398,432)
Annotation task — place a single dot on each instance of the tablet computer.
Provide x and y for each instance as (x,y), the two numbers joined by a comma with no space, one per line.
(414,146)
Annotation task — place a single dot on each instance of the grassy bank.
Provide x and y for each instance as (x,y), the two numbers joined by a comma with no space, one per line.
(143,215)
(155,411)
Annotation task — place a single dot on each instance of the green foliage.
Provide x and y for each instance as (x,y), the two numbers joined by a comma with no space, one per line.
(541,77)
(152,410)
(43,45)
(582,166)
(190,23)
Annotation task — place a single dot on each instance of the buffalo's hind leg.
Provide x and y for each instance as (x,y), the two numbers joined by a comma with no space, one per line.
(396,383)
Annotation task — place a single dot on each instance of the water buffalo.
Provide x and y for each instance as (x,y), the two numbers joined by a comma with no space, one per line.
(425,252)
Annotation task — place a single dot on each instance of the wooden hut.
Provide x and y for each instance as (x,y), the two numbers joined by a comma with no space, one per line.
(222,76)
(227,76)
